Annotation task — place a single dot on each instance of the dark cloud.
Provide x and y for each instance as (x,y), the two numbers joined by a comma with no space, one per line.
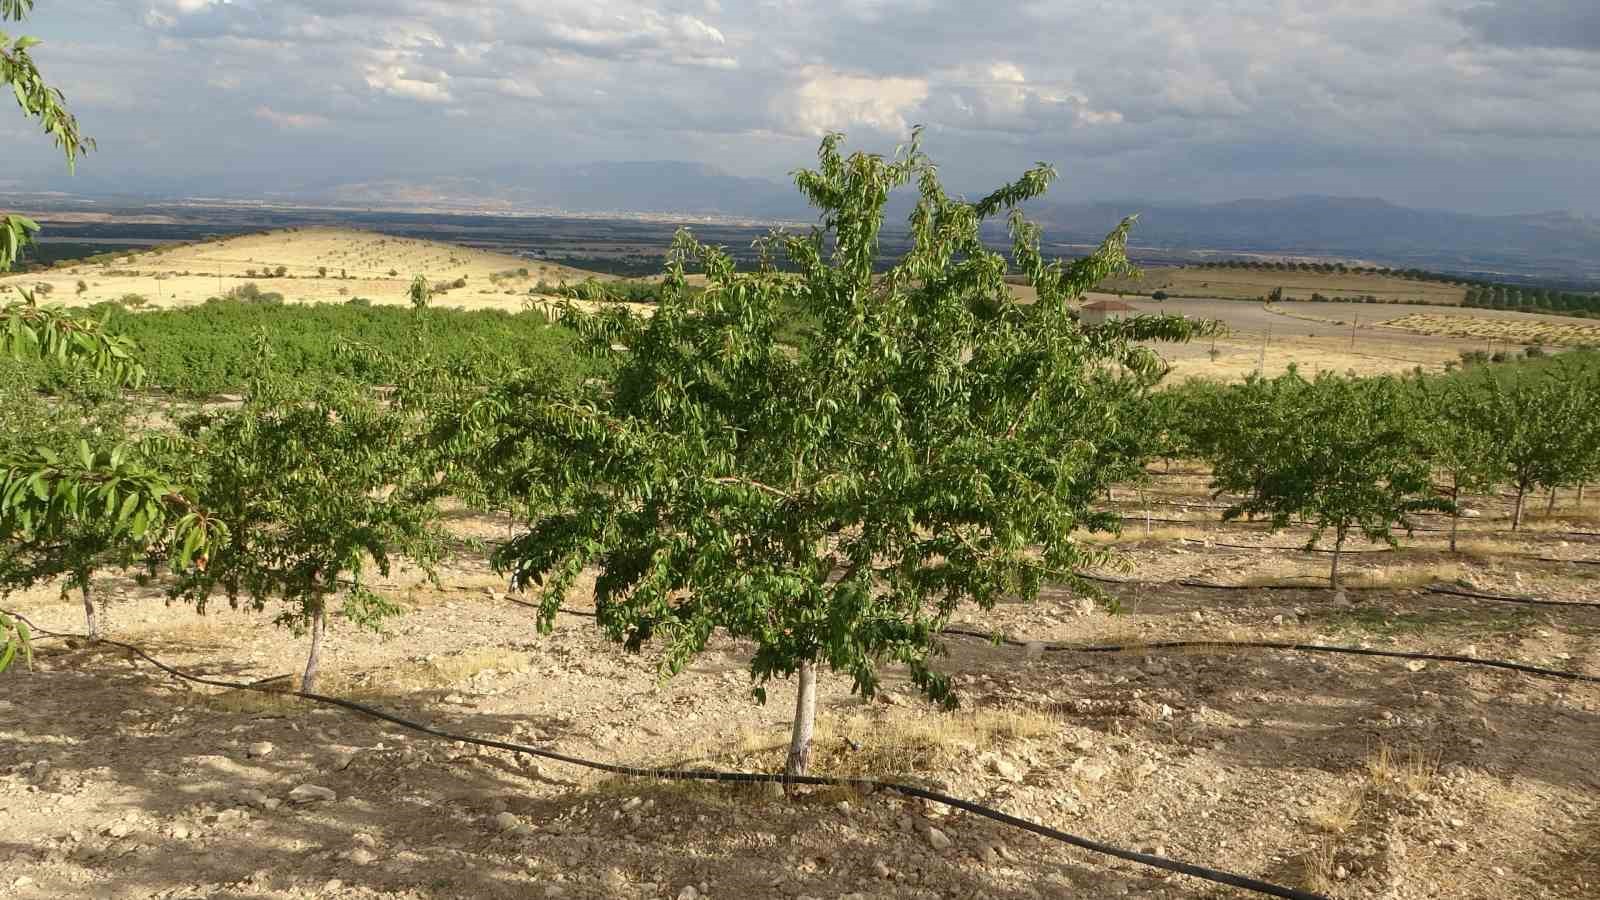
(1566,24)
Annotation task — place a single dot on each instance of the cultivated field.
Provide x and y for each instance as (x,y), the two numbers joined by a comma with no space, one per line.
(328,265)
(1358,777)
(1343,337)
(1252,284)
(1313,336)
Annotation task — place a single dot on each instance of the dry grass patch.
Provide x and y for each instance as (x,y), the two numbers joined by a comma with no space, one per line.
(898,742)
(1341,813)
(1134,532)
(1407,775)
(447,671)
(1504,330)
(1319,866)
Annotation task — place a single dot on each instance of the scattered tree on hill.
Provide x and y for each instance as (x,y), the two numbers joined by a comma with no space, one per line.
(420,293)
(927,441)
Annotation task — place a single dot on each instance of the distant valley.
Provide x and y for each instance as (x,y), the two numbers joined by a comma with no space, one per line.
(630,210)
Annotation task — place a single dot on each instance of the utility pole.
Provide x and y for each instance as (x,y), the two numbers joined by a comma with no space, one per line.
(1353,326)
(1262,365)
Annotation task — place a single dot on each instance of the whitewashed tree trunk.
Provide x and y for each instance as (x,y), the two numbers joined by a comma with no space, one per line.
(805,723)
(319,625)
(91,620)
(1516,517)
(1455,515)
(1338,550)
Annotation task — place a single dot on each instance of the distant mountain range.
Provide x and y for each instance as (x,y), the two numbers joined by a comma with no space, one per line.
(1553,246)
(1558,244)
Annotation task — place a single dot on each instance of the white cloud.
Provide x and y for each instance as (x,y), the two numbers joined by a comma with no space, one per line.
(396,81)
(826,100)
(290,121)
(1284,96)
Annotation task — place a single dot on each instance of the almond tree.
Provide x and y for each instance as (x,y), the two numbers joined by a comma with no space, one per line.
(78,490)
(1342,453)
(318,485)
(1541,421)
(927,441)
(1459,431)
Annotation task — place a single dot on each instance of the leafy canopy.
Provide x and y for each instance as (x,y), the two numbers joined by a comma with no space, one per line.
(1341,453)
(928,441)
(318,485)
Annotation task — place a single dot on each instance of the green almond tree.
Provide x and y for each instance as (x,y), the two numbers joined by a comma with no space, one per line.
(1341,453)
(1541,422)
(1459,432)
(319,487)
(924,440)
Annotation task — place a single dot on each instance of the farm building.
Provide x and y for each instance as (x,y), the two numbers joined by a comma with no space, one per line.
(1102,311)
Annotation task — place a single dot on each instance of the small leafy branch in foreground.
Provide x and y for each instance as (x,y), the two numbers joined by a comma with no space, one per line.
(40,102)
(929,441)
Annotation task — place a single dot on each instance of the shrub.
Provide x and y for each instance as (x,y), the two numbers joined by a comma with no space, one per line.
(1159,295)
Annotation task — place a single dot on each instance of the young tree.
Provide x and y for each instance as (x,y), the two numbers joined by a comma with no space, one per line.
(1459,432)
(926,441)
(1541,421)
(420,292)
(1342,453)
(318,484)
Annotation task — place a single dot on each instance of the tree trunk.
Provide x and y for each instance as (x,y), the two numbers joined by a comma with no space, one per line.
(1338,549)
(805,724)
(1550,508)
(1581,486)
(89,616)
(1516,517)
(319,625)
(1455,515)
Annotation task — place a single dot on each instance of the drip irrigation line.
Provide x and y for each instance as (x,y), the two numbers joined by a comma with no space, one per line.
(866,785)
(1526,556)
(1275,645)
(1501,598)
(1286,549)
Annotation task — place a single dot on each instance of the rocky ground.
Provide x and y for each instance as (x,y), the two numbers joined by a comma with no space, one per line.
(1356,777)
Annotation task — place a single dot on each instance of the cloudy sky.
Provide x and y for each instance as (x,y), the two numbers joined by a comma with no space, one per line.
(1476,105)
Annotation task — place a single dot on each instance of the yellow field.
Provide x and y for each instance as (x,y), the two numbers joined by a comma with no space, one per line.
(327,265)
(1518,331)
(1250,284)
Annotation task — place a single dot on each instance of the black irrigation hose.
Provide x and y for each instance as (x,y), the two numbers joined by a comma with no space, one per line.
(1252,645)
(1275,645)
(1286,549)
(862,784)
(1218,523)
(1501,598)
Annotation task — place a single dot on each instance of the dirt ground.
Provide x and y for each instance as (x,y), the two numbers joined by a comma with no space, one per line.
(1357,777)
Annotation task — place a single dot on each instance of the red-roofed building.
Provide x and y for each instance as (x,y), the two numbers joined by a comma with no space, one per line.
(1102,311)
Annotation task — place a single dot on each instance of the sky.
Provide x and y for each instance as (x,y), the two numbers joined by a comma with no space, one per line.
(1488,106)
